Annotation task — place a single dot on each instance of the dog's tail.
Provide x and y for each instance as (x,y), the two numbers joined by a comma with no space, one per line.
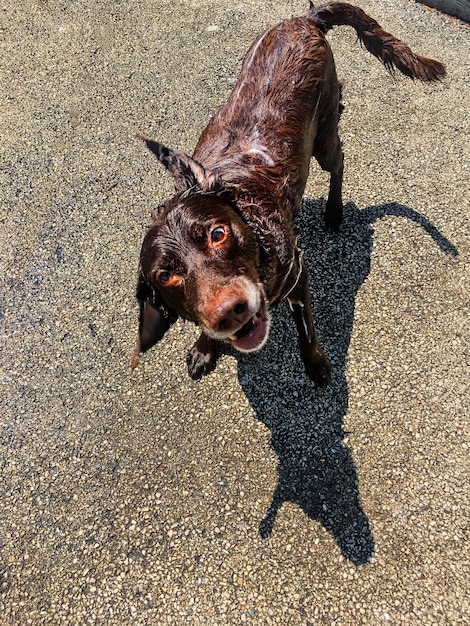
(391,51)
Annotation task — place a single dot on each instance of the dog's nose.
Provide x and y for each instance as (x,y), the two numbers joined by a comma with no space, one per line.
(233,317)
(229,311)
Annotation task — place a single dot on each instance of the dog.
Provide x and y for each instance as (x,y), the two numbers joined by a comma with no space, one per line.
(222,250)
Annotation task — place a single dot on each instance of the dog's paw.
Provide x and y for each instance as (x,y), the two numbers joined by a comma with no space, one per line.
(321,376)
(200,361)
(318,369)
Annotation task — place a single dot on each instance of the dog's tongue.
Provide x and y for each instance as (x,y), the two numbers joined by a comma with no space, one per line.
(251,336)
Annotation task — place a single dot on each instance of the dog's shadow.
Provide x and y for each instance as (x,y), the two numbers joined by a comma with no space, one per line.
(316,469)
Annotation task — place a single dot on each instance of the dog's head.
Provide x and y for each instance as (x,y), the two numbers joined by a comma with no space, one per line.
(200,261)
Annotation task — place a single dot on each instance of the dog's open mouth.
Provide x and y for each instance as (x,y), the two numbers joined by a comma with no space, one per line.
(252,335)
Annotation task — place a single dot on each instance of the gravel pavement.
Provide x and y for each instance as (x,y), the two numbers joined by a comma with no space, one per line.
(249,497)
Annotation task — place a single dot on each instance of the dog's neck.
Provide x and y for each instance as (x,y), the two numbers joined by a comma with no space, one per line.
(276,243)
(291,279)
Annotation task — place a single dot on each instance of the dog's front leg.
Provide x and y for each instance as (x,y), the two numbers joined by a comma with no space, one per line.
(317,366)
(202,357)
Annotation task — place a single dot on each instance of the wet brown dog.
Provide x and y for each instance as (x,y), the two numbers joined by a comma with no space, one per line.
(223,248)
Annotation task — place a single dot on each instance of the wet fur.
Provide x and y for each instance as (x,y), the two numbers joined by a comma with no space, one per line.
(248,171)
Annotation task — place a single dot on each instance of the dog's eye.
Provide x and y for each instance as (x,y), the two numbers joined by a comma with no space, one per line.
(219,234)
(167,278)
(164,277)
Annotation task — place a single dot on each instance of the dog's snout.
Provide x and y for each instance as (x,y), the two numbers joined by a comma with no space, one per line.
(230,314)
(240,308)
(227,311)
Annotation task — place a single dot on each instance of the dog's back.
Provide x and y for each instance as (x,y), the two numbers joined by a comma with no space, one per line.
(268,126)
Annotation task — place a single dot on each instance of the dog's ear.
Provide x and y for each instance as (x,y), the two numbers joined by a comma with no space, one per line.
(186,172)
(154,318)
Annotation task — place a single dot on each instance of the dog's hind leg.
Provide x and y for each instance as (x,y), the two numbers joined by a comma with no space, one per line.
(317,366)
(329,154)
(334,204)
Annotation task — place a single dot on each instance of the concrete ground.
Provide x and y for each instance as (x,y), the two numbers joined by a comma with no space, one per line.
(249,497)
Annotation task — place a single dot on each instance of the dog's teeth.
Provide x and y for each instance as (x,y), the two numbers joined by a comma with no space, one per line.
(233,337)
